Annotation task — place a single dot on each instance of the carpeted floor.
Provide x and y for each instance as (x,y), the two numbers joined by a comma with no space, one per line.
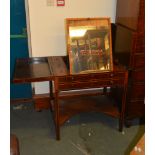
(83,134)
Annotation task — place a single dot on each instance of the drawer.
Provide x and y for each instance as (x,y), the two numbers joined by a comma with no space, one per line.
(106,76)
(136,108)
(73,78)
(71,85)
(138,61)
(139,49)
(138,75)
(90,84)
(140,39)
(117,75)
(137,91)
(138,43)
(92,76)
(108,83)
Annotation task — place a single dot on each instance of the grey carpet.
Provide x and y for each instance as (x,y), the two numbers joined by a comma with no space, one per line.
(83,134)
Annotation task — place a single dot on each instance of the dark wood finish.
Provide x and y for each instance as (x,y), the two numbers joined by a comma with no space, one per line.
(14,145)
(57,71)
(35,69)
(21,100)
(32,70)
(130,46)
(71,106)
(130,28)
(128,13)
(65,83)
(42,101)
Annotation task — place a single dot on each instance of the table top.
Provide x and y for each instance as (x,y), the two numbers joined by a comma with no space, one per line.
(38,69)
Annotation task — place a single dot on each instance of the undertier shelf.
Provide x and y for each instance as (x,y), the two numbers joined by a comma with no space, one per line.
(73,106)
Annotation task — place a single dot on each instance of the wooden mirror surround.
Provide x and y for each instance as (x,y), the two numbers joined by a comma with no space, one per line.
(89,45)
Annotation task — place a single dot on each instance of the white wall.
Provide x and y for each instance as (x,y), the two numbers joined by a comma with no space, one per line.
(47,26)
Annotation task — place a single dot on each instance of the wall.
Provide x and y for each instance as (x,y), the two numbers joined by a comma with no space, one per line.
(46,25)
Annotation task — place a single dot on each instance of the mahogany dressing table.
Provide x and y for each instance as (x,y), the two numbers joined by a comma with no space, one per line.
(64,86)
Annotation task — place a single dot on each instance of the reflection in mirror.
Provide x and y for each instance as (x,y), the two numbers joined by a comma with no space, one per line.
(89,45)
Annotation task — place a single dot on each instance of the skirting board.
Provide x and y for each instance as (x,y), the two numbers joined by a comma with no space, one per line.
(41,101)
(21,100)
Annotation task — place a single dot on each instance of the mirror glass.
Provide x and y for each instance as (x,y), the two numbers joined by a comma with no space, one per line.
(89,45)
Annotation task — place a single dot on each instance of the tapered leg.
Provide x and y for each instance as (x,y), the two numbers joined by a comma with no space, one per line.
(122,113)
(121,118)
(121,122)
(55,107)
(57,121)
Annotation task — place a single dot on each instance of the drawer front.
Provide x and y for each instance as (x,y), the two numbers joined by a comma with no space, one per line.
(138,75)
(108,83)
(73,78)
(138,61)
(137,91)
(71,85)
(90,84)
(138,43)
(135,108)
(90,77)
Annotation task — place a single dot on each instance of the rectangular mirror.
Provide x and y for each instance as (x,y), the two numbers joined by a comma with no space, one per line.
(89,45)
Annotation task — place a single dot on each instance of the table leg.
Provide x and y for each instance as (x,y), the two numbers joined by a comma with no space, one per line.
(121,119)
(122,113)
(57,124)
(55,107)
(121,124)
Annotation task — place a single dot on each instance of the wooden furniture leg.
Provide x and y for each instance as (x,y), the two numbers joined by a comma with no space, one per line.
(56,109)
(121,120)
(57,127)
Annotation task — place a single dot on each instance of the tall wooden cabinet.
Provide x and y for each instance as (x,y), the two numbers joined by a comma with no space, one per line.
(129,50)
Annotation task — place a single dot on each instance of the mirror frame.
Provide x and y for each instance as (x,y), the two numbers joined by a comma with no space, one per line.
(101,26)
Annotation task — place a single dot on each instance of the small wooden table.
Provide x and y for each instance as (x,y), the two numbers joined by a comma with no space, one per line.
(62,83)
